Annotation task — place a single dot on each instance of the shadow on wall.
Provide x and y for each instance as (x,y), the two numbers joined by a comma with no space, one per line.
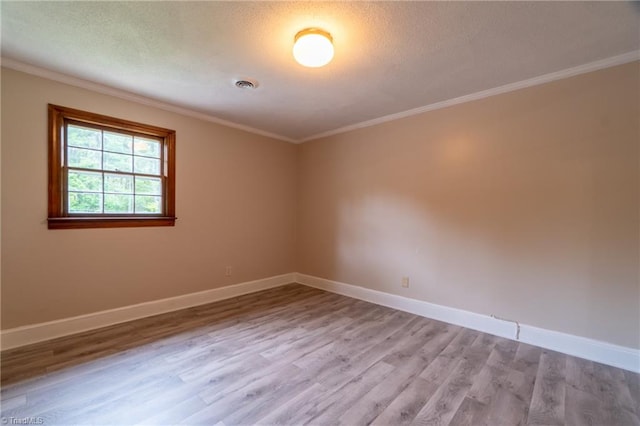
(539,227)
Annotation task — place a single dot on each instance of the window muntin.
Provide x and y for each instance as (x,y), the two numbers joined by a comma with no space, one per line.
(109,172)
(127,177)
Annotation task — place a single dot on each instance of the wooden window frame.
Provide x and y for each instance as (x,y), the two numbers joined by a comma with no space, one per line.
(59,217)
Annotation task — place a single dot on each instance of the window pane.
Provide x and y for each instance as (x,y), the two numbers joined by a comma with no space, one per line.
(117,162)
(83,202)
(145,185)
(84,158)
(83,137)
(118,203)
(149,166)
(118,183)
(117,142)
(147,147)
(148,204)
(85,181)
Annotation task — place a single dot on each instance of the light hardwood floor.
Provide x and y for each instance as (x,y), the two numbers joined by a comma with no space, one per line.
(296,355)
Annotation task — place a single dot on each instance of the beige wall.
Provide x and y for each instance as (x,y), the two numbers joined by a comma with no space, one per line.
(522,205)
(235,206)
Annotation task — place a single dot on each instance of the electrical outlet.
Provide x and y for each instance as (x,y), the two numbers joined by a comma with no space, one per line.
(227,271)
(405,282)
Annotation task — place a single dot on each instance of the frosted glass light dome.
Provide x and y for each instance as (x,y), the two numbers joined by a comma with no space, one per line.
(313,48)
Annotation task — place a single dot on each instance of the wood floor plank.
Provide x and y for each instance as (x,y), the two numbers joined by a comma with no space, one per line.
(15,403)
(374,402)
(411,360)
(285,413)
(276,395)
(442,406)
(619,408)
(522,373)
(582,408)
(295,355)
(329,409)
(356,336)
(251,396)
(471,413)
(174,414)
(446,361)
(495,373)
(352,361)
(488,383)
(632,381)
(416,335)
(404,408)
(506,409)
(547,404)
(98,406)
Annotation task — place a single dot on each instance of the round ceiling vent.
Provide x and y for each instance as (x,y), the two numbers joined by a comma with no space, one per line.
(246,84)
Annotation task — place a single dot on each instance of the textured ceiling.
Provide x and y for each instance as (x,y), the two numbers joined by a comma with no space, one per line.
(390,56)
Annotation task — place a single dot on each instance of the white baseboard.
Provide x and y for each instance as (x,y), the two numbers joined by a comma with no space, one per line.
(582,347)
(594,350)
(28,334)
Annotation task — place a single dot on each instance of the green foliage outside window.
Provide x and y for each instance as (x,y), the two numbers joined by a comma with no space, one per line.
(102,192)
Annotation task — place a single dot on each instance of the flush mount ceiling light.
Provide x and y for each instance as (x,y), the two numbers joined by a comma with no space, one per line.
(313,47)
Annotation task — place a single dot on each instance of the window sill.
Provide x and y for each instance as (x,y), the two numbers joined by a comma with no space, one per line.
(109,222)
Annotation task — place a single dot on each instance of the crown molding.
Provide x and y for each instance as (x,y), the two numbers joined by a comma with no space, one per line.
(123,94)
(545,78)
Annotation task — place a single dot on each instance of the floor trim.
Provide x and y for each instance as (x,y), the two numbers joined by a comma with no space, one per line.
(25,335)
(593,350)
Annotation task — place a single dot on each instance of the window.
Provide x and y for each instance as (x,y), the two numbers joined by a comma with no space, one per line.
(105,172)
